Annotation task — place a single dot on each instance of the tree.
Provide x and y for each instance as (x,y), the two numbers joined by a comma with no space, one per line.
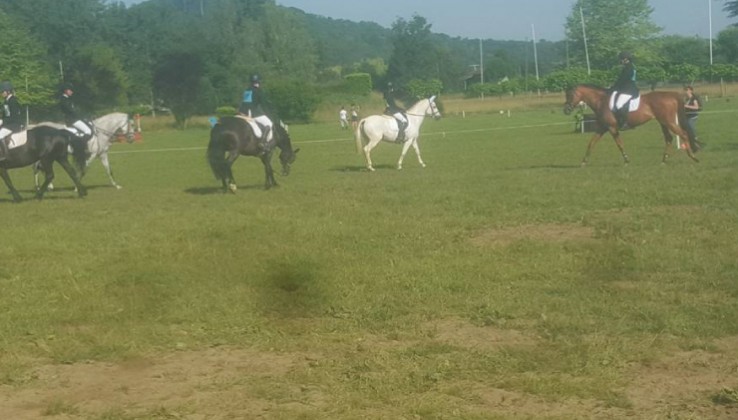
(731,7)
(177,81)
(23,64)
(612,27)
(727,44)
(414,55)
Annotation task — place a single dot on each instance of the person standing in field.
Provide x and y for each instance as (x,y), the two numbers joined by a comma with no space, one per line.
(343,118)
(693,106)
(354,117)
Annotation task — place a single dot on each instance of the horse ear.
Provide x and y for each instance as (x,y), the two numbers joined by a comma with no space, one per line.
(432,98)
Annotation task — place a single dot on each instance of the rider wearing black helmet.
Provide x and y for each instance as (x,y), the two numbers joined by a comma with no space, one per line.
(255,106)
(12,117)
(625,88)
(72,118)
(394,110)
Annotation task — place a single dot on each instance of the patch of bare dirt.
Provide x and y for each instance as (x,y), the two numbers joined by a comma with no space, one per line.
(214,381)
(462,333)
(685,383)
(550,232)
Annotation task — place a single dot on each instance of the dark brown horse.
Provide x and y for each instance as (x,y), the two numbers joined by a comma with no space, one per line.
(666,107)
(46,145)
(234,136)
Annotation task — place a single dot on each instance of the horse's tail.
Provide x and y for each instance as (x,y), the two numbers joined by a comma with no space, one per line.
(682,117)
(216,153)
(359,136)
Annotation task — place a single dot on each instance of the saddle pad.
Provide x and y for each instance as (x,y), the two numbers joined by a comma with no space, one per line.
(632,104)
(17,139)
(254,126)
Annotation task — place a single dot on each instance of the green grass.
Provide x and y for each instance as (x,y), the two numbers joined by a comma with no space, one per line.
(357,269)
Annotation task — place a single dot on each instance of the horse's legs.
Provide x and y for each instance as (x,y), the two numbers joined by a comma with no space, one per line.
(270,182)
(48,170)
(81,190)
(229,183)
(405,148)
(668,139)
(676,129)
(619,142)
(592,141)
(368,152)
(4,174)
(106,163)
(417,152)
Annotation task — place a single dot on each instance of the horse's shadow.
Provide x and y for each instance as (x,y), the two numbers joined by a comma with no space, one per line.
(354,168)
(517,168)
(220,190)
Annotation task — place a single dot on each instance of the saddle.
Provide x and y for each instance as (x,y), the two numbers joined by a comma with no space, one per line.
(18,139)
(632,104)
(255,126)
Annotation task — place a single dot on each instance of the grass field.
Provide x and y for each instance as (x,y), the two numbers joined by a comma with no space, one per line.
(502,281)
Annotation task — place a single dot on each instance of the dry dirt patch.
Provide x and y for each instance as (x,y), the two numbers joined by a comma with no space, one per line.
(213,381)
(549,232)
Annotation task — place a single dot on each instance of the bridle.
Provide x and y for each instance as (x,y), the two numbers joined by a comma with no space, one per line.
(434,110)
(129,132)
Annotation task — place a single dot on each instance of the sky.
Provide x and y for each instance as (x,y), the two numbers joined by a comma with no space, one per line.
(509,20)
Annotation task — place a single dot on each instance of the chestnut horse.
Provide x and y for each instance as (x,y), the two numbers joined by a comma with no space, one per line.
(666,107)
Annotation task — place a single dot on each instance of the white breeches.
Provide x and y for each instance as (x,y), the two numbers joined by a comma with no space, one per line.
(400,117)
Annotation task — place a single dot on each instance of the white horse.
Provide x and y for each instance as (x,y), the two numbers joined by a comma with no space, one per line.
(376,128)
(104,132)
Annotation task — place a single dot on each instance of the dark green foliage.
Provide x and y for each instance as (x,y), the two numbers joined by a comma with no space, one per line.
(358,84)
(295,101)
(178,81)
(417,88)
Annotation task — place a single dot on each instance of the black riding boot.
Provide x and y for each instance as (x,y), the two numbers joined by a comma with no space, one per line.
(3,149)
(621,116)
(401,131)
(264,141)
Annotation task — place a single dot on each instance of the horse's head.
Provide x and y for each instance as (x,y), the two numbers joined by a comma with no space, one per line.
(113,125)
(433,108)
(287,156)
(573,98)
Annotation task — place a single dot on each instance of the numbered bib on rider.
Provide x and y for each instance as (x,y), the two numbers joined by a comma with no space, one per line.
(248,96)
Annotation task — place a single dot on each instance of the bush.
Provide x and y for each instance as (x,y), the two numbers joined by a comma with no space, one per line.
(295,101)
(358,84)
(225,111)
(424,88)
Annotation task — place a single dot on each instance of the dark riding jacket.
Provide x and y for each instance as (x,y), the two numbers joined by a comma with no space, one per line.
(626,82)
(389,99)
(12,114)
(71,115)
(253,102)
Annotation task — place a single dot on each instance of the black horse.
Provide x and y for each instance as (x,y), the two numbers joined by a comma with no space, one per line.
(46,145)
(234,136)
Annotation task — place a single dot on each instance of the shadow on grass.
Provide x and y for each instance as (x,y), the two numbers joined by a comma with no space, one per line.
(292,289)
(219,190)
(551,166)
(354,168)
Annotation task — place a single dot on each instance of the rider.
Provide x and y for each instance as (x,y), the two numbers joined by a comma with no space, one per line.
(395,111)
(624,88)
(253,105)
(12,117)
(72,119)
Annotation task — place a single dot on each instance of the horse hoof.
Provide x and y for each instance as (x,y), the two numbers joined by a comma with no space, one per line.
(118,187)
(232,188)
(370,169)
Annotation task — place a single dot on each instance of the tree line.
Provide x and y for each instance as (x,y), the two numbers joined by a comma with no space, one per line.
(192,57)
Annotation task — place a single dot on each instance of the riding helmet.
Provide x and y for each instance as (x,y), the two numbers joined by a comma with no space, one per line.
(66,86)
(255,78)
(6,86)
(624,54)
